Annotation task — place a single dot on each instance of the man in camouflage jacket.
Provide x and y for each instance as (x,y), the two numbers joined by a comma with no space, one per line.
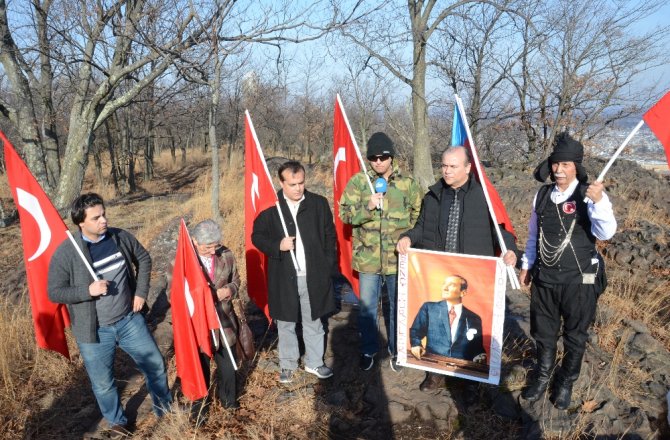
(378,220)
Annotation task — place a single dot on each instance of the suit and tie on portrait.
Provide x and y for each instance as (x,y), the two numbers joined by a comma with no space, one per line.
(450,329)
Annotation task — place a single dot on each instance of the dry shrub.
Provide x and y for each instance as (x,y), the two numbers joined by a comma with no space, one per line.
(5,192)
(640,208)
(16,356)
(628,296)
(29,377)
(625,377)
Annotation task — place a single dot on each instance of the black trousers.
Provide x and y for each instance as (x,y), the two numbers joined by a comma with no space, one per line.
(574,305)
(225,376)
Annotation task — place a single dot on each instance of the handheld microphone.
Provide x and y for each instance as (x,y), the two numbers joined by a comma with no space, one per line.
(380,187)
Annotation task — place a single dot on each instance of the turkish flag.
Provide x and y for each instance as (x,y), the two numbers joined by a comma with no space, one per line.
(42,230)
(459,136)
(658,119)
(346,163)
(259,194)
(193,316)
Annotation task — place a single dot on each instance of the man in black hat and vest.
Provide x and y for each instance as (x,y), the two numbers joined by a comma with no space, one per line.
(567,271)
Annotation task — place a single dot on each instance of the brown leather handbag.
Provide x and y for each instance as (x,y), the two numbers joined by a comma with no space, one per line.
(245,338)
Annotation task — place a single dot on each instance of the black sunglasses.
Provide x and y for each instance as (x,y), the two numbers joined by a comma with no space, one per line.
(383,158)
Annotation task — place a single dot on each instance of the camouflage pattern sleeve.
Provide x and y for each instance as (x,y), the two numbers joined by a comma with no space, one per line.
(354,202)
(416,199)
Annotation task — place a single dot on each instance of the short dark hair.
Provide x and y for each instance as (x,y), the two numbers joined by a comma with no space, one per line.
(464,282)
(292,165)
(81,203)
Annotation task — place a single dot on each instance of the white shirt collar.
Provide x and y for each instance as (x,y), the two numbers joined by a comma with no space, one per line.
(571,188)
(85,238)
(291,203)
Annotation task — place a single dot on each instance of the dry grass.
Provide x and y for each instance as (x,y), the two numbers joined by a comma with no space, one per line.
(30,378)
(5,192)
(629,297)
(639,209)
(15,354)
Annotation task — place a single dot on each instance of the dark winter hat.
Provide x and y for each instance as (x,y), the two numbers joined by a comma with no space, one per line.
(566,149)
(379,145)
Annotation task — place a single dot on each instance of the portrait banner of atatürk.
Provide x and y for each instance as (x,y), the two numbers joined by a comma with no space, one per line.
(451,311)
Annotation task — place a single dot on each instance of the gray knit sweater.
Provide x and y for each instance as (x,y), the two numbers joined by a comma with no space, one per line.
(69,280)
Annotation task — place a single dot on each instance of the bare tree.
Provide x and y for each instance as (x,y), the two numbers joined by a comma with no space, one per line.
(39,139)
(580,77)
(387,45)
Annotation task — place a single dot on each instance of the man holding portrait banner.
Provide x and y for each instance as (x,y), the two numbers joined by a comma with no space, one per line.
(455,218)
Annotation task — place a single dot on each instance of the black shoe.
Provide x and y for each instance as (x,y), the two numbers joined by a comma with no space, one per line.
(199,412)
(562,395)
(231,406)
(536,389)
(541,375)
(367,361)
(432,383)
(286,376)
(567,375)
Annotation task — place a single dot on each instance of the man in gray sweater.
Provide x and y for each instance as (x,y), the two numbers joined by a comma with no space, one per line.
(105,311)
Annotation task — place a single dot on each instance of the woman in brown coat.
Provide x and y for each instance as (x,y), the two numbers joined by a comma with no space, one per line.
(218,265)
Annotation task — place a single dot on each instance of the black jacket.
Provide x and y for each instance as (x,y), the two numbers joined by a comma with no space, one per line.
(317,231)
(476,233)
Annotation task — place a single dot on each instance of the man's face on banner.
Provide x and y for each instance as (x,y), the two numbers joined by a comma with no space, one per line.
(451,290)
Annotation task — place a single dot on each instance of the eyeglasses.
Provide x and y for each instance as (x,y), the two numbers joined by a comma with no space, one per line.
(382,158)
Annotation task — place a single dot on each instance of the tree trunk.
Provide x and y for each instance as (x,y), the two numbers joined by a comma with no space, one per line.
(129,149)
(23,116)
(173,147)
(423,169)
(186,146)
(48,130)
(97,160)
(215,89)
(112,157)
(75,161)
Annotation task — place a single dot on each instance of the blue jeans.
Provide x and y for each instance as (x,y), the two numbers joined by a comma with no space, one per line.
(371,289)
(132,335)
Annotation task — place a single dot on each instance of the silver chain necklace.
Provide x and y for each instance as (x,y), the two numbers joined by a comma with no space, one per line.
(551,254)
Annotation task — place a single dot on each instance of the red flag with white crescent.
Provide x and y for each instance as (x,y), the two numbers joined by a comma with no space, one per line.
(42,231)
(345,165)
(193,316)
(259,194)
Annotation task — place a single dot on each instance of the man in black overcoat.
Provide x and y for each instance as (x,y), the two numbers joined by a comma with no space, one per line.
(300,266)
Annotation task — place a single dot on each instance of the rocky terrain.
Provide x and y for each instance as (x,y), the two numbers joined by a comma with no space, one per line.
(620,394)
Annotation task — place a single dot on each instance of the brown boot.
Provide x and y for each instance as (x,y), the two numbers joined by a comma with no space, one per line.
(432,383)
